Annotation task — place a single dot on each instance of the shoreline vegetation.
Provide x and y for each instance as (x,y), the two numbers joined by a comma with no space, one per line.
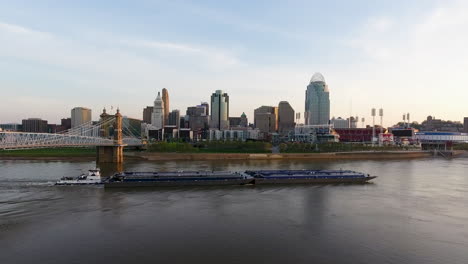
(65,153)
(211,147)
(220,150)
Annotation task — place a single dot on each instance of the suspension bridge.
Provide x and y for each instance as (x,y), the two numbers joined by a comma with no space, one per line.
(109,135)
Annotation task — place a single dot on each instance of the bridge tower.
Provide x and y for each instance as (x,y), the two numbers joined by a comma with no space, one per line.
(104,131)
(113,153)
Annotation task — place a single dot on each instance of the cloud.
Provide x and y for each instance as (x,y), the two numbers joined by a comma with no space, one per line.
(166,45)
(240,22)
(102,71)
(106,55)
(381,24)
(425,35)
(215,58)
(416,63)
(16,29)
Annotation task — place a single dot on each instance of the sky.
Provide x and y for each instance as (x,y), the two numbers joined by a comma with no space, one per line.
(402,56)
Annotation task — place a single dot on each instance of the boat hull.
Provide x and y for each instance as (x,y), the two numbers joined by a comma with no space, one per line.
(76,182)
(260,181)
(171,183)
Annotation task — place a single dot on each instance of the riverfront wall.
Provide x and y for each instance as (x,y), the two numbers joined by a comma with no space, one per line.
(155,156)
(268,156)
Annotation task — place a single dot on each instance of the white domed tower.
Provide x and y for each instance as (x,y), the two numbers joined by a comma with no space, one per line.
(157,117)
(317,103)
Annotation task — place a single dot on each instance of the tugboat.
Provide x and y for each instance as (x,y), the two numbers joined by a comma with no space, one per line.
(93,177)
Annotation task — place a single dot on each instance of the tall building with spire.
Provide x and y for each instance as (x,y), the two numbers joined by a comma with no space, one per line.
(165,99)
(317,102)
(157,117)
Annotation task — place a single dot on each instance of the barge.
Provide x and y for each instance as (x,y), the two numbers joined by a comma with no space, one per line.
(178,178)
(204,178)
(308,176)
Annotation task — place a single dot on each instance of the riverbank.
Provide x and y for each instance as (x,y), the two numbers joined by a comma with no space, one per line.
(278,156)
(66,154)
(50,154)
(90,155)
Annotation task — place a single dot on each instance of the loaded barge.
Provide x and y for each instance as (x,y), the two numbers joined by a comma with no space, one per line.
(308,176)
(178,178)
(204,178)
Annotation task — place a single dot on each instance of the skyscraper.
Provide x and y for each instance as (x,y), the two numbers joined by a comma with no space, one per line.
(157,117)
(35,125)
(79,116)
(174,118)
(317,102)
(285,118)
(66,123)
(147,113)
(266,119)
(198,119)
(207,106)
(219,110)
(165,98)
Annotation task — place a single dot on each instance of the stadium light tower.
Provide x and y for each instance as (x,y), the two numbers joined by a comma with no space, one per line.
(373,125)
(407,119)
(381,119)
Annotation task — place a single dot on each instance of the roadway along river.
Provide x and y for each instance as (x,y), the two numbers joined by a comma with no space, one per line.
(415,212)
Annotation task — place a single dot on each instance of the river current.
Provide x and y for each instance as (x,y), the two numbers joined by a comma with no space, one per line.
(416,211)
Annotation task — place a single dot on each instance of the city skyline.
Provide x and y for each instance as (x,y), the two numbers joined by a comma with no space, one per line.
(380,56)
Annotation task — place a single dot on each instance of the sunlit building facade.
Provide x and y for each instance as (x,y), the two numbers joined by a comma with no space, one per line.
(165,99)
(80,116)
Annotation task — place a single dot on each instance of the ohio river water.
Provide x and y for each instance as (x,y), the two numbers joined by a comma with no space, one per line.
(415,212)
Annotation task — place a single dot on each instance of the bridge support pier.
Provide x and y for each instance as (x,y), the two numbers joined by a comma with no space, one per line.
(109,154)
(112,153)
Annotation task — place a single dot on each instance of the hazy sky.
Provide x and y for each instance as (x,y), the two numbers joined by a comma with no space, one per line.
(404,56)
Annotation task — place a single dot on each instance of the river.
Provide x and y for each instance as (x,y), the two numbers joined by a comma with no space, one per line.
(416,211)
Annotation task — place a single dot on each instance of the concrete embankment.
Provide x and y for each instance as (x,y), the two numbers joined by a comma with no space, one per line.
(61,158)
(16,157)
(270,156)
(160,156)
